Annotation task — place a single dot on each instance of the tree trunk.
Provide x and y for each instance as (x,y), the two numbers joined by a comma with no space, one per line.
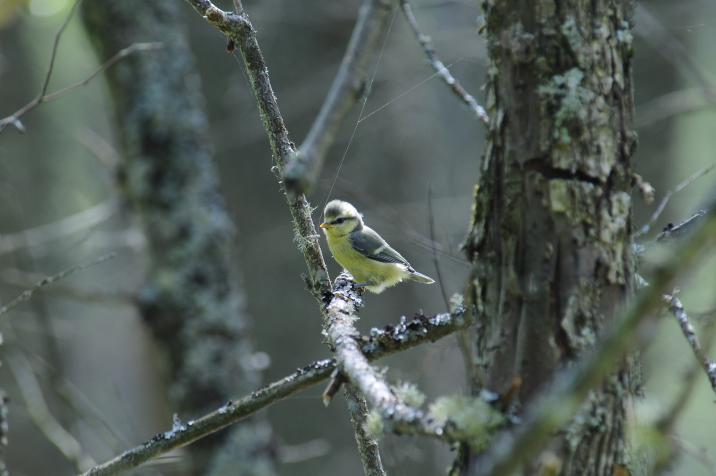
(549,239)
(190,299)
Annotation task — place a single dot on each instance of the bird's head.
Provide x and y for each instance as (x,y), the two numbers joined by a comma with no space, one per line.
(340,218)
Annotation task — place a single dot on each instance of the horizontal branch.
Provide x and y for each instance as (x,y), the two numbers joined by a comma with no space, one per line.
(558,406)
(379,343)
(303,170)
(677,309)
(240,33)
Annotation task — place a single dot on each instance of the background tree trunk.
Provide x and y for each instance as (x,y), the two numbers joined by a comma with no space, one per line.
(190,299)
(549,238)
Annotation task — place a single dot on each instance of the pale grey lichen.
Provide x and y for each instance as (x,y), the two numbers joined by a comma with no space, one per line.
(374,425)
(471,415)
(410,394)
(570,98)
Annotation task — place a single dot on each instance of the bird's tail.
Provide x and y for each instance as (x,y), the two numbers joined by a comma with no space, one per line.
(420,277)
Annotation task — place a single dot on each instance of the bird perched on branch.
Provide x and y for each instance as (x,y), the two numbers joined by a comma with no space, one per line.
(360,250)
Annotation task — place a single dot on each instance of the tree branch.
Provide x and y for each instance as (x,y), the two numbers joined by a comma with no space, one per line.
(367,445)
(380,343)
(677,309)
(341,334)
(440,68)
(14,118)
(28,293)
(238,29)
(557,407)
(349,85)
(43,418)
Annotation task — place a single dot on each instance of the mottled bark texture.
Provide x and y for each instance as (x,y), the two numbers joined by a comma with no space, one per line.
(190,298)
(549,238)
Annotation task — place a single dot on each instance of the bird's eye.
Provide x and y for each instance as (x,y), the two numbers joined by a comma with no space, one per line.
(338,221)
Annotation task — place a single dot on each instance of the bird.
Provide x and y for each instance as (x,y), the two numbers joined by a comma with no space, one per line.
(363,252)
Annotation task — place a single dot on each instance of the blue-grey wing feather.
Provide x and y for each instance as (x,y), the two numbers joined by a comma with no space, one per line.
(369,243)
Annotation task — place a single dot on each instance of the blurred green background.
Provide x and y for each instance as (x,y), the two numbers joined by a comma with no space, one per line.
(83,337)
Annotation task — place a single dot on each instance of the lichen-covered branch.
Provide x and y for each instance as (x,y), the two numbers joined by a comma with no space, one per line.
(238,30)
(380,343)
(367,445)
(303,170)
(342,337)
(558,406)
(677,309)
(440,68)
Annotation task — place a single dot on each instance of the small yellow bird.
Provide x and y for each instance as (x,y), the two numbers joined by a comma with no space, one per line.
(362,251)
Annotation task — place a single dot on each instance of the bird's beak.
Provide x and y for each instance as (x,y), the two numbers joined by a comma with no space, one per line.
(324,225)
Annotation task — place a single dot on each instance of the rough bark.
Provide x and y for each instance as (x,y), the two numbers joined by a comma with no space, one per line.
(190,298)
(549,238)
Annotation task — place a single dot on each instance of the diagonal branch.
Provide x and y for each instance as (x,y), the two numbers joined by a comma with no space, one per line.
(28,293)
(238,30)
(349,85)
(14,118)
(677,309)
(557,407)
(439,66)
(380,343)
(43,418)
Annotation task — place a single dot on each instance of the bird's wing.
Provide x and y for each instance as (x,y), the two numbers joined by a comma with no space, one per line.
(369,243)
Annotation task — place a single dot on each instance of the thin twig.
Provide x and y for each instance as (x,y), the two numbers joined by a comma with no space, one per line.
(555,409)
(677,309)
(675,231)
(238,29)
(21,278)
(349,85)
(42,416)
(439,66)
(667,422)
(380,343)
(665,200)
(436,263)
(43,97)
(28,293)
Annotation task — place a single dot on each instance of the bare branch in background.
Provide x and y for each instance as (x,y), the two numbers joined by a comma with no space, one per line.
(677,309)
(21,278)
(349,85)
(43,97)
(673,50)
(42,416)
(440,68)
(667,196)
(238,29)
(675,231)
(667,422)
(93,216)
(27,294)
(671,104)
(380,343)
(559,405)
